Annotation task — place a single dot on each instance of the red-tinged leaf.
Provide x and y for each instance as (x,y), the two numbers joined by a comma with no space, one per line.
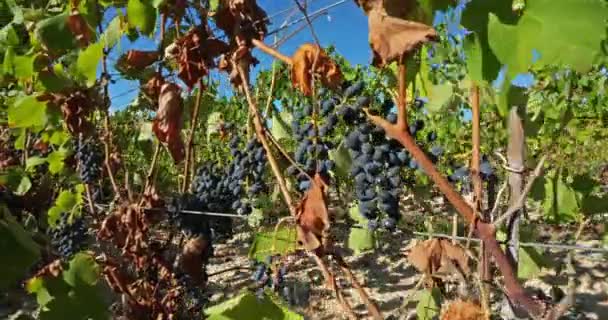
(140,59)
(79,27)
(303,62)
(167,125)
(313,217)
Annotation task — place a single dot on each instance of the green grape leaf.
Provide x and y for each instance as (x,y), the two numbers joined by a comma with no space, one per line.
(54,34)
(56,160)
(361,239)
(530,264)
(113,32)
(87,62)
(280,125)
(8,36)
(353,213)
(475,18)
(54,81)
(59,137)
(560,203)
(342,159)
(24,66)
(593,204)
(268,243)
(428,304)
(213,5)
(16,247)
(37,286)
(32,162)
(24,186)
(474,53)
(554,29)
(27,112)
(74,295)
(83,270)
(141,14)
(67,201)
(247,304)
(8,63)
(439,95)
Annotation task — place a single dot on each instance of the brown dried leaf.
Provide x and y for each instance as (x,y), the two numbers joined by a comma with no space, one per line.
(152,87)
(391,38)
(462,310)
(241,20)
(192,258)
(438,256)
(140,59)
(167,125)
(195,53)
(301,70)
(79,27)
(313,217)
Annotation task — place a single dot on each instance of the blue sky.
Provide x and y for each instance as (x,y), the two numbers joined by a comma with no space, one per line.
(344,26)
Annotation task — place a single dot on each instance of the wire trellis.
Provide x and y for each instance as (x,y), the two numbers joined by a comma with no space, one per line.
(556,246)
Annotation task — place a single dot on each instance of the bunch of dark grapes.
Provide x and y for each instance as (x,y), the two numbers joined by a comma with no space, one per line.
(377,162)
(69,238)
(193,298)
(272,276)
(223,188)
(461,174)
(89,156)
(312,133)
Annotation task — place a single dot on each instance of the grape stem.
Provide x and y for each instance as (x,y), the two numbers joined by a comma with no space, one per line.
(259,130)
(271,51)
(522,197)
(485,231)
(484,255)
(189,142)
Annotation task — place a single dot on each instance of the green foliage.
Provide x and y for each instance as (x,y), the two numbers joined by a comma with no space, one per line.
(554,29)
(142,15)
(27,112)
(530,264)
(280,125)
(53,33)
(17,250)
(67,202)
(270,243)
(248,306)
(87,62)
(360,238)
(429,302)
(342,159)
(75,294)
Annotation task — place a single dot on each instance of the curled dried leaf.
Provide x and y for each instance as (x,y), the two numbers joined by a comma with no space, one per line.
(243,60)
(167,125)
(53,269)
(153,85)
(193,258)
(438,256)
(241,20)
(303,62)
(140,59)
(462,310)
(195,53)
(313,218)
(391,38)
(80,28)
